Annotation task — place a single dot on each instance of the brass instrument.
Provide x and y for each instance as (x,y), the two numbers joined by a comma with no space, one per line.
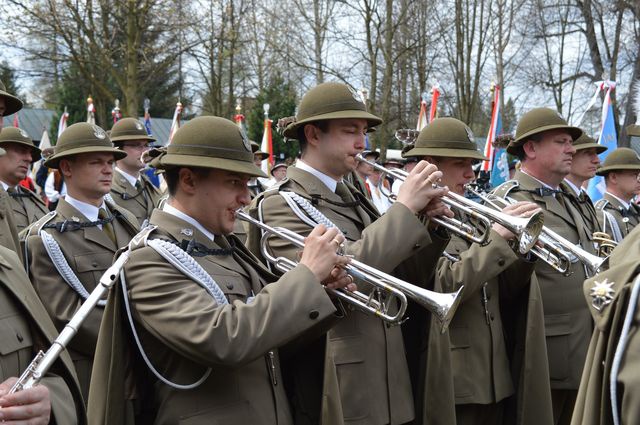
(527,230)
(605,244)
(41,364)
(386,287)
(557,251)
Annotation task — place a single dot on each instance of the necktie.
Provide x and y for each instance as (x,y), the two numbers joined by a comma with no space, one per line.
(343,192)
(107,228)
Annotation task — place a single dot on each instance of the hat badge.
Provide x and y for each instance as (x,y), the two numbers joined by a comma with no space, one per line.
(23,133)
(470,134)
(356,96)
(98,132)
(138,125)
(245,140)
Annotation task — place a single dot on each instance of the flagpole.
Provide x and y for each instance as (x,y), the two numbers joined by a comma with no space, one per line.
(267,140)
(175,123)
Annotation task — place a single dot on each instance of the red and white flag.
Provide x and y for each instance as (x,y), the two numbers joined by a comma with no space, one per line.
(493,129)
(175,124)
(435,95)
(422,116)
(267,141)
(62,124)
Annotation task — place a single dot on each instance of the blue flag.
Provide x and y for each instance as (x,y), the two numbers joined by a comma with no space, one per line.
(500,168)
(607,138)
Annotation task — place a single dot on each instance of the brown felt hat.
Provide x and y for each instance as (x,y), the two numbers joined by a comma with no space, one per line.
(446,137)
(620,159)
(21,137)
(129,129)
(80,138)
(537,121)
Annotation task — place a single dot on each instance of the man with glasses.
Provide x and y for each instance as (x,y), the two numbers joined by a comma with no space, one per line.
(617,213)
(131,189)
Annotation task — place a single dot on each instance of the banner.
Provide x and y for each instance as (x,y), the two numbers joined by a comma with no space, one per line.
(422,116)
(267,141)
(608,138)
(175,123)
(435,95)
(62,124)
(493,129)
(91,111)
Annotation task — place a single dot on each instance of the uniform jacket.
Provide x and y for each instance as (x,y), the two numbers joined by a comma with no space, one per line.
(26,328)
(362,369)
(593,406)
(626,220)
(494,349)
(27,207)
(184,332)
(140,202)
(8,228)
(568,324)
(89,252)
(583,203)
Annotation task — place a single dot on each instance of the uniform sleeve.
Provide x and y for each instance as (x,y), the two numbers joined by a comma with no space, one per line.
(182,315)
(59,299)
(384,244)
(477,265)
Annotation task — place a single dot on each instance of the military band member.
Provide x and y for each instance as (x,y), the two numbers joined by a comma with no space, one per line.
(14,167)
(358,373)
(498,327)
(69,249)
(610,384)
(617,212)
(131,188)
(9,104)
(25,328)
(584,165)
(223,328)
(544,145)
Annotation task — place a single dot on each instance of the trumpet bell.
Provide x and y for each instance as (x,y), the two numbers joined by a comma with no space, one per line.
(442,306)
(530,232)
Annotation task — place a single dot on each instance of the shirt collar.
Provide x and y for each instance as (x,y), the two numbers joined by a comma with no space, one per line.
(5,186)
(539,181)
(87,210)
(330,182)
(131,179)
(177,213)
(625,204)
(576,190)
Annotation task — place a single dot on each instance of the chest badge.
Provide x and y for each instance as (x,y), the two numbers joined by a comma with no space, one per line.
(187,232)
(601,294)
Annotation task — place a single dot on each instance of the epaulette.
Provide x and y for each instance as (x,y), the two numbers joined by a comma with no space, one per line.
(38,224)
(503,190)
(140,239)
(601,204)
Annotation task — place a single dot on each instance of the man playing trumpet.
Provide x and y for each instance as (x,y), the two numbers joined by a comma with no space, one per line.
(358,373)
(200,307)
(474,374)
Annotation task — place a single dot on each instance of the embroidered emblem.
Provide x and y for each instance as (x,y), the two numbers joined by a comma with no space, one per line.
(139,126)
(356,96)
(76,219)
(601,294)
(24,133)
(187,232)
(470,134)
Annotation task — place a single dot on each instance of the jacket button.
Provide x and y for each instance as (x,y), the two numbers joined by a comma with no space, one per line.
(501,262)
(492,317)
(94,264)
(229,285)
(20,337)
(314,314)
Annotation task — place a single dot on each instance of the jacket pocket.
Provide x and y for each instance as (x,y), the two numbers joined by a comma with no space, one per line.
(16,348)
(558,331)
(459,342)
(90,267)
(351,371)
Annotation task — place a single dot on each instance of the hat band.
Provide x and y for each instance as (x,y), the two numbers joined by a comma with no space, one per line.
(347,105)
(212,151)
(443,144)
(83,144)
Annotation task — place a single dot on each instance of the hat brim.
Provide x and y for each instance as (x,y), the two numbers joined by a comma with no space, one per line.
(582,146)
(291,132)
(243,167)
(575,132)
(633,130)
(606,170)
(11,103)
(138,137)
(35,151)
(54,160)
(263,155)
(444,152)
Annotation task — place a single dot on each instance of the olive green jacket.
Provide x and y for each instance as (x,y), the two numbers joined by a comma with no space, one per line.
(27,207)
(357,374)
(25,328)
(184,332)
(494,349)
(8,228)
(594,406)
(626,220)
(89,252)
(140,202)
(568,324)
(582,202)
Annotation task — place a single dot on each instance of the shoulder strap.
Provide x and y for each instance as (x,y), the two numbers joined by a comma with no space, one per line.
(601,204)
(505,188)
(37,225)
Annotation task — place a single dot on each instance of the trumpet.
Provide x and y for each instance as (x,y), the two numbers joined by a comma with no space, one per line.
(527,230)
(406,136)
(42,362)
(557,251)
(386,287)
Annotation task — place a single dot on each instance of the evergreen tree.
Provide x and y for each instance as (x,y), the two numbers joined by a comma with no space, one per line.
(281,98)
(9,79)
